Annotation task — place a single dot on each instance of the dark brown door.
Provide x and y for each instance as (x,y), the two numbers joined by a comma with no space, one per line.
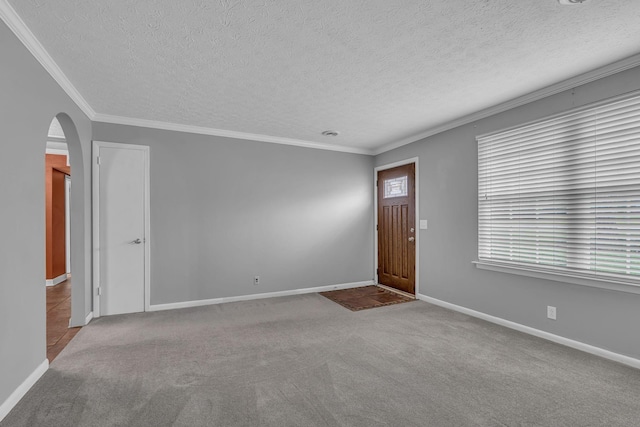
(396,228)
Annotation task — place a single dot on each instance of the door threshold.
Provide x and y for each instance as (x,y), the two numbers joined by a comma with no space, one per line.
(397,291)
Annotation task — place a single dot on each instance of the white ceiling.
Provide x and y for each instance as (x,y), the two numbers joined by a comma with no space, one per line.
(380,72)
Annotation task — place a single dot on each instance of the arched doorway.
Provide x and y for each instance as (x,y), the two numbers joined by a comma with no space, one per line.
(65,299)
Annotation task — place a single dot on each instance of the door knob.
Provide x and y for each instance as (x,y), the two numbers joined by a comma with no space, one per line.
(411,239)
(136,242)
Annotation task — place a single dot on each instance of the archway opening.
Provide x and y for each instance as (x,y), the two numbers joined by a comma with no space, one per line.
(58,243)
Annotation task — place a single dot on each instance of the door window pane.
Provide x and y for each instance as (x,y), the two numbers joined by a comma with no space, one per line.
(395,187)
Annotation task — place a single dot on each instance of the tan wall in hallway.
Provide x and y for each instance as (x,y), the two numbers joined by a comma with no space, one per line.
(55,170)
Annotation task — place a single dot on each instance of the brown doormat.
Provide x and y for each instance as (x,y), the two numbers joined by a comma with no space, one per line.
(356,299)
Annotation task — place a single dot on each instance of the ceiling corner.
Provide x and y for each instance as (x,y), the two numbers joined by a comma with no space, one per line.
(200,130)
(599,73)
(28,39)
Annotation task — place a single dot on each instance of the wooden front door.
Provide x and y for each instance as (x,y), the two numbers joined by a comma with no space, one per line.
(397,228)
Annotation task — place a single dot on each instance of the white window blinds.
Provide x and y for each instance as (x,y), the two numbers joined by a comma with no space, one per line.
(563,194)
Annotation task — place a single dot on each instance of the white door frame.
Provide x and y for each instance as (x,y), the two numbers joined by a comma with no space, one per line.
(67,222)
(95,208)
(414,160)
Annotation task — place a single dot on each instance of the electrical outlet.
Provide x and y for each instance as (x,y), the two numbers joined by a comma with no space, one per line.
(256,280)
(551,312)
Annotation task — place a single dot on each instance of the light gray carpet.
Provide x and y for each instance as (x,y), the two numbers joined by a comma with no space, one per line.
(306,361)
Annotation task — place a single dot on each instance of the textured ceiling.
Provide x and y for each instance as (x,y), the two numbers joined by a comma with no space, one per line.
(377,71)
(55,130)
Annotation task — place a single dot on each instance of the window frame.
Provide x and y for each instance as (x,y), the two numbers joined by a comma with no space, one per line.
(548,272)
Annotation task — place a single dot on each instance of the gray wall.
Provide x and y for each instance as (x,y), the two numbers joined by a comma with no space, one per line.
(448,200)
(29,100)
(225,210)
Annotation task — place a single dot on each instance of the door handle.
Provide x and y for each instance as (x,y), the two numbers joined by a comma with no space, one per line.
(136,242)
(411,239)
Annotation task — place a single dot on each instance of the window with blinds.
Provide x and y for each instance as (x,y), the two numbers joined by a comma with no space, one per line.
(563,194)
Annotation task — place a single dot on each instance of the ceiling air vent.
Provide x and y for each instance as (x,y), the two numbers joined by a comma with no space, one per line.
(572,2)
(330,133)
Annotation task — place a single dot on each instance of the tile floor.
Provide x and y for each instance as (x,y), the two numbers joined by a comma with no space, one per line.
(58,314)
(356,299)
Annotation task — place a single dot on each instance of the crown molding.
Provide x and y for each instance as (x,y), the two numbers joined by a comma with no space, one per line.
(56,145)
(29,40)
(201,130)
(56,139)
(24,34)
(607,70)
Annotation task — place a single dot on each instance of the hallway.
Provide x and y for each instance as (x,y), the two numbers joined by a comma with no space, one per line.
(58,314)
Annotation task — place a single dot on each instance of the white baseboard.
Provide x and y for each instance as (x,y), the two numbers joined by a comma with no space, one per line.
(52,282)
(198,303)
(22,389)
(621,358)
(88,318)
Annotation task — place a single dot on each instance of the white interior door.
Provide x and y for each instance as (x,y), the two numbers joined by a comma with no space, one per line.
(122,207)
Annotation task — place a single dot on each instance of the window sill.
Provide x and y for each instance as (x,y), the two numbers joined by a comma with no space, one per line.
(602,283)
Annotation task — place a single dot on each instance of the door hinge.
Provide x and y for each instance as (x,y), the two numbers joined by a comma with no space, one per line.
(98,160)
(378,271)
(376,227)
(99,290)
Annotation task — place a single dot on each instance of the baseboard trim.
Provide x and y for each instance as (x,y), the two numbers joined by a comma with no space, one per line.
(199,303)
(22,389)
(88,318)
(61,278)
(616,357)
